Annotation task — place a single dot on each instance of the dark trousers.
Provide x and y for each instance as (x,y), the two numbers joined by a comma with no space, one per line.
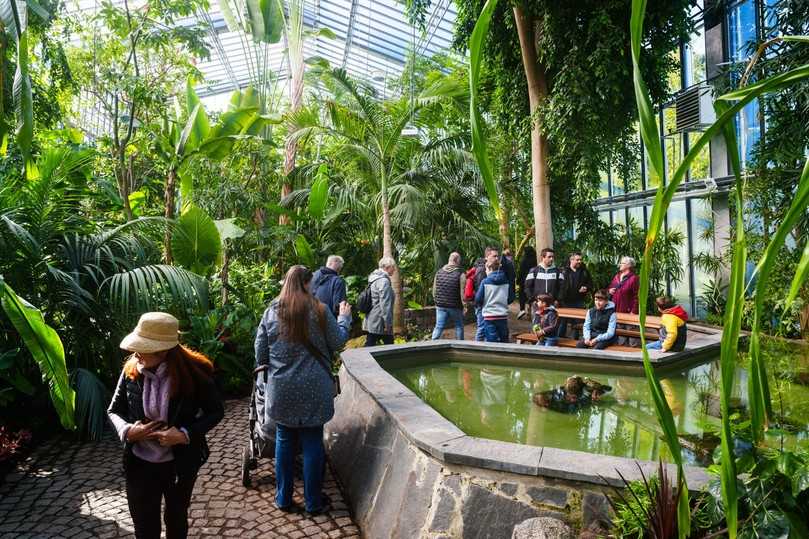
(372,339)
(600,345)
(147,484)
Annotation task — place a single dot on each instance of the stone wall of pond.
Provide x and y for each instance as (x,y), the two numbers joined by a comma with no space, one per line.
(397,490)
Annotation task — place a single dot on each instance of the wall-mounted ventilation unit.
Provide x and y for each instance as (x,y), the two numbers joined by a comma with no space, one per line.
(694,108)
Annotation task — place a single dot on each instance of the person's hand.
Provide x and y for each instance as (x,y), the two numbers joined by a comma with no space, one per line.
(612,291)
(582,289)
(143,430)
(345,309)
(171,436)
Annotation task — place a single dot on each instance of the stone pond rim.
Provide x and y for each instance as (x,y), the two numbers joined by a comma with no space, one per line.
(441,439)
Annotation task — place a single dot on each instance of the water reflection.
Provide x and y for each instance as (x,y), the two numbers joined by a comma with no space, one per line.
(496,402)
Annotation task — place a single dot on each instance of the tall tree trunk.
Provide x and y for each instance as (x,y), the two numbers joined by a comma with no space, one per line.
(224,274)
(171,187)
(396,278)
(537,91)
(291,147)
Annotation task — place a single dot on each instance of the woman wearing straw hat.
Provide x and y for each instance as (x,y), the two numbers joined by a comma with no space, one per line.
(164,404)
(296,339)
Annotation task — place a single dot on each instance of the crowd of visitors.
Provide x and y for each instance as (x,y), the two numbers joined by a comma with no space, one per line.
(166,401)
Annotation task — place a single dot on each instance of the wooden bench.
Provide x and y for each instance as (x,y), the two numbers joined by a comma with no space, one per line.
(530,338)
(652,322)
(650,335)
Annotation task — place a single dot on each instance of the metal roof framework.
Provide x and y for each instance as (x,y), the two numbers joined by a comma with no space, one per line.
(372,41)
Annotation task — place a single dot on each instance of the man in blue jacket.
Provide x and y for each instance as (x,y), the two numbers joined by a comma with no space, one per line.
(328,286)
(493,298)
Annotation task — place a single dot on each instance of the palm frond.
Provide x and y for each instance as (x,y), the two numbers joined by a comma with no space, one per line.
(140,289)
(91,403)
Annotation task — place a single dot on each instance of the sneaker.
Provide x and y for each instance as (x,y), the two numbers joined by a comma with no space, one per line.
(520,315)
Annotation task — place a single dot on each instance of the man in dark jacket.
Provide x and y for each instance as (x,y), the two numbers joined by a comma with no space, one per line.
(544,278)
(328,286)
(576,288)
(448,286)
(507,266)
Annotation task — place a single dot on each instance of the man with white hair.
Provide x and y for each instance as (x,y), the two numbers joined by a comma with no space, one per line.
(378,322)
(448,287)
(328,286)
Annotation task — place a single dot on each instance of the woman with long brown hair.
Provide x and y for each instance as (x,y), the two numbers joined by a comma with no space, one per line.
(296,339)
(164,404)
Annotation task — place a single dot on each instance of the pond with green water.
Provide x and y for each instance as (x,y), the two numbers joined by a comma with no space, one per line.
(494,401)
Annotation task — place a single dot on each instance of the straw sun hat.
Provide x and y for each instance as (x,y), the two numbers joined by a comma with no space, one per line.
(155,332)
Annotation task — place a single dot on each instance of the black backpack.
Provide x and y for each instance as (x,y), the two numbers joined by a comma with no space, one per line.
(364,301)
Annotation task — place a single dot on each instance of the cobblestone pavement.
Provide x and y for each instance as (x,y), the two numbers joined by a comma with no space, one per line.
(70,489)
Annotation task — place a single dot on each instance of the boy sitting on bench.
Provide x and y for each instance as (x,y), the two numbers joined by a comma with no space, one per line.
(673,328)
(599,323)
(546,321)
(577,393)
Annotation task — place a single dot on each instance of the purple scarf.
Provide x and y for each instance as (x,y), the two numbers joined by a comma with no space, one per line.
(156,386)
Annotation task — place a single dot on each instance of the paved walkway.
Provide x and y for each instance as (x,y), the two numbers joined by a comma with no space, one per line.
(69,489)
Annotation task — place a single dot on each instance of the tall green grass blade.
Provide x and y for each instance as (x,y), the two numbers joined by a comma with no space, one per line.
(46,348)
(479,147)
(651,138)
(801,274)
(730,331)
(758,390)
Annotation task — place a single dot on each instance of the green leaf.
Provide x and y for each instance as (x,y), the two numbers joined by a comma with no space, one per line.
(228,229)
(479,147)
(801,274)
(196,127)
(137,290)
(91,403)
(137,199)
(228,14)
(304,250)
(195,241)
(244,99)
(45,347)
(319,193)
(265,20)
(23,98)
(651,138)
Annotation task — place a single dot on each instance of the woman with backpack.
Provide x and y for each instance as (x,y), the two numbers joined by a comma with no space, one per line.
(296,338)
(378,321)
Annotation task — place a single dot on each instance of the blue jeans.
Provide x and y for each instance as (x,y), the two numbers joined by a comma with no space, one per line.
(480,334)
(314,461)
(441,315)
(549,341)
(657,345)
(496,330)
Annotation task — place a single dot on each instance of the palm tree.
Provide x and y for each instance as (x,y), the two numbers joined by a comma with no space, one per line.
(87,279)
(387,159)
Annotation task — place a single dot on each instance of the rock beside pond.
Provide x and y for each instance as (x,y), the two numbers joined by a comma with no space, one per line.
(542,528)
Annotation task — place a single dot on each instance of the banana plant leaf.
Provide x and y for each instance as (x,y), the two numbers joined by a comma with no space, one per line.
(46,348)
(195,241)
(319,193)
(479,146)
(265,20)
(304,250)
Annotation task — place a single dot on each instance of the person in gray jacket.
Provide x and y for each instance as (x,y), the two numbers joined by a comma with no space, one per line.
(296,338)
(379,321)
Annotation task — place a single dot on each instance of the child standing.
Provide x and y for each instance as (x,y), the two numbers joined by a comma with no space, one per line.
(493,298)
(546,321)
(599,324)
(673,329)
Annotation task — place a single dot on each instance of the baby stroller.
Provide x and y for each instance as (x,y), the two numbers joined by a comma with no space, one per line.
(261,443)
